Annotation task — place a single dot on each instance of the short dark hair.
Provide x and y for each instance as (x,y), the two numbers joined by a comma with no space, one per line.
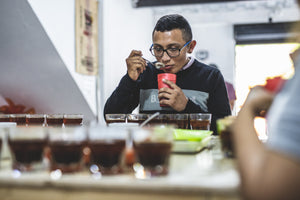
(174,21)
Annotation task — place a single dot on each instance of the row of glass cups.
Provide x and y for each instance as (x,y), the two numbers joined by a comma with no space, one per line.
(194,121)
(43,119)
(101,150)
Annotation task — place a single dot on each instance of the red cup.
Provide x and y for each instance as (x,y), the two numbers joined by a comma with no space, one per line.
(167,76)
(274,84)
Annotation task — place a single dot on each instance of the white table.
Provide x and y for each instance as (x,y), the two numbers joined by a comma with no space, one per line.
(206,175)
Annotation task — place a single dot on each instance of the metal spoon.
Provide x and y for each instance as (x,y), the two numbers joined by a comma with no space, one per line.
(150,118)
(158,65)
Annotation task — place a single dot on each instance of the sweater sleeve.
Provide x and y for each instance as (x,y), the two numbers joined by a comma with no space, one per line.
(125,98)
(218,103)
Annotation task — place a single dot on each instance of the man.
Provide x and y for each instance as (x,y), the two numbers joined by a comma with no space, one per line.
(198,89)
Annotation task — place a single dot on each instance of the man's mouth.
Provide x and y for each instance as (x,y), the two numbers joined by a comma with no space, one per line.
(168,67)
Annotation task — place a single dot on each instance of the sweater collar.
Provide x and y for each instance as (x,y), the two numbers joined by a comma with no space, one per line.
(192,59)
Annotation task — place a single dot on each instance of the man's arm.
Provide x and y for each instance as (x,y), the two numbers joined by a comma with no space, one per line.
(218,103)
(125,98)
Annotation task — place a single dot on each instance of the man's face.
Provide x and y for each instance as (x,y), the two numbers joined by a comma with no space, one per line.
(171,39)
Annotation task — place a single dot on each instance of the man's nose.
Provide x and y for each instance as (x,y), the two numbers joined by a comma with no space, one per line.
(165,57)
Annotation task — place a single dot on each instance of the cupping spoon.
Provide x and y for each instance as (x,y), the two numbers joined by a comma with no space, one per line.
(158,65)
(149,119)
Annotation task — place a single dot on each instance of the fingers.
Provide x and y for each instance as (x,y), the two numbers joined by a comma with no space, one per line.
(170,83)
(259,99)
(135,53)
(173,97)
(135,64)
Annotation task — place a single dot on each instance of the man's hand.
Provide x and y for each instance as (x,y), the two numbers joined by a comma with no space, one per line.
(135,64)
(173,97)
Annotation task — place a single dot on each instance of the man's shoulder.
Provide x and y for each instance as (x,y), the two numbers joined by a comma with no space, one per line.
(199,66)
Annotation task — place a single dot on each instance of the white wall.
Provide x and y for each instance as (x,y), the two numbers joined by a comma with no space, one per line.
(58,19)
(125,28)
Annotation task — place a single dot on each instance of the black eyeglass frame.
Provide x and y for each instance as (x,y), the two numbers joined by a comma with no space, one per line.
(166,50)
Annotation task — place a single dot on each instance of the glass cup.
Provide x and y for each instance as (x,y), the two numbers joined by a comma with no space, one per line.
(152,151)
(20,119)
(27,145)
(224,131)
(55,120)
(4,118)
(2,137)
(4,129)
(180,121)
(66,149)
(35,120)
(200,121)
(137,118)
(115,118)
(73,119)
(158,120)
(161,84)
(107,145)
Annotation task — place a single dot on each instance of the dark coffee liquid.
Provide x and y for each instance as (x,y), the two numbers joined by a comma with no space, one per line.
(107,154)
(139,121)
(64,152)
(226,143)
(108,121)
(35,120)
(27,151)
(199,124)
(152,154)
(55,121)
(4,118)
(20,120)
(72,121)
(182,124)
(155,122)
(0,145)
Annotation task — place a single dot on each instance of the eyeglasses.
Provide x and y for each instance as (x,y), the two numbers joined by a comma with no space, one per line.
(172,52)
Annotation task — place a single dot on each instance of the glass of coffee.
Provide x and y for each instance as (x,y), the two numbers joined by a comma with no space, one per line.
(137,118)
(224,131)
(35,120)
(107,145)
(73,119)
(115,118)
(4,129)
(2,138)
(4,118)
(158,120)
(27,145)
(200,121)
(20,119)
(55,120)
(180,121)
(66,149)
(152,151)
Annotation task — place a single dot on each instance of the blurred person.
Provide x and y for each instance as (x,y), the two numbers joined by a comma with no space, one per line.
(270,170)
(230,90)
(198,89)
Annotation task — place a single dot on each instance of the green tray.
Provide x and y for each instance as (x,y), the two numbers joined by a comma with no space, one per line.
(191,135)
(190,141)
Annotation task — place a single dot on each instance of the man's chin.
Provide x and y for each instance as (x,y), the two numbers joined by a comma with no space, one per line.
(171,70)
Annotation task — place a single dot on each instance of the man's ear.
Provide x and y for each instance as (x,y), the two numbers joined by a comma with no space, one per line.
(192,46)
